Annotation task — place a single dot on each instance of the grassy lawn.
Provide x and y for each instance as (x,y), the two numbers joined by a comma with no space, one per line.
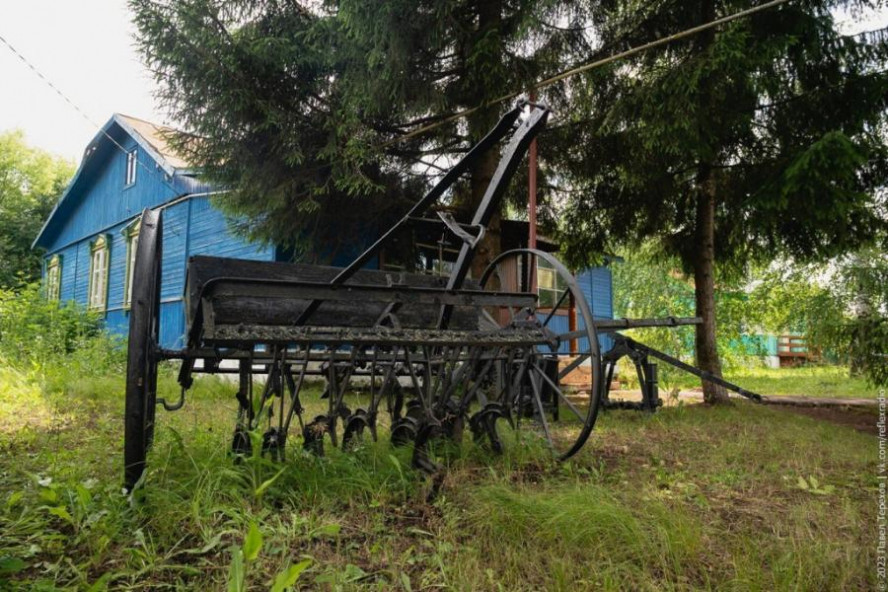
(741,498)
(811,381)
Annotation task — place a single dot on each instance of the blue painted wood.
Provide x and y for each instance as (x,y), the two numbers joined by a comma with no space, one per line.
(117,322)
(210,235)
(69,271)
(175,237)
(99,198)
(116,267)
(596,283)
(99,202)
(81,280)
(172,325)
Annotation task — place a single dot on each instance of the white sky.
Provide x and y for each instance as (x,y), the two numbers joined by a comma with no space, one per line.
(86,48)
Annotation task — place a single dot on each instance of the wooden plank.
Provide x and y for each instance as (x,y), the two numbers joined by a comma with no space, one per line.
(261,293)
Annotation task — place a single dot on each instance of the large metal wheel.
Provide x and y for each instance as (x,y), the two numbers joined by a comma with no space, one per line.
(532,381)
(141,370)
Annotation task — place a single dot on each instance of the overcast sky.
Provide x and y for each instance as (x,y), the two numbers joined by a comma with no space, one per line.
(85,47)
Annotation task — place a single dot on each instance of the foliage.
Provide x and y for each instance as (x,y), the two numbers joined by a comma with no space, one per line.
(30,182)
(52,339)
(300,106)
(780,116)
(764,136)
(841,307)
(650,286)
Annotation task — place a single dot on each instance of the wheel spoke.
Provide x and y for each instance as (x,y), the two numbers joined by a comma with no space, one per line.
(542,412)
(558,304)
(573,365)
(561,394)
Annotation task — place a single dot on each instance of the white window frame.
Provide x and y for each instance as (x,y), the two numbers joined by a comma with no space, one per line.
(54,278)
(99,260)
(549,289)
(131,233)
(132,163)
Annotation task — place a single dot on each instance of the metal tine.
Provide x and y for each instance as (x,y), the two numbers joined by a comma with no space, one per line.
(295,389)
(432,385)
(332,405)
(416,385)
(280,386)
(257,418)
(449,375)
(470,393)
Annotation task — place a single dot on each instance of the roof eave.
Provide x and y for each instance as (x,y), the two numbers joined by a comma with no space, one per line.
(159,158)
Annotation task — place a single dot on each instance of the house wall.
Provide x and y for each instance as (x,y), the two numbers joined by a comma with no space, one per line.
(102,200)
(190,227)
(596,283)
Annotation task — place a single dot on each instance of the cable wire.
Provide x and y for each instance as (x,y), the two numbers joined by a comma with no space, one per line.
(586,67)
(82,113)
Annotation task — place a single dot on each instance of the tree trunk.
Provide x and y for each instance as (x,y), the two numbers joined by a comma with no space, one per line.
(704,285)
(489,19)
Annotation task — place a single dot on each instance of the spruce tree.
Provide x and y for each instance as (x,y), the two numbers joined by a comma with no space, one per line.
(760,137)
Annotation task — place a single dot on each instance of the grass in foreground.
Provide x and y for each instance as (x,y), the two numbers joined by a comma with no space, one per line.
(742,498)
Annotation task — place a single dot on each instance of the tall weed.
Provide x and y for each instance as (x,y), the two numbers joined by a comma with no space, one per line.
(54,341)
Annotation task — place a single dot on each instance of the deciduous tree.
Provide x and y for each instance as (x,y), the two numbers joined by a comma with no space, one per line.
(31,181)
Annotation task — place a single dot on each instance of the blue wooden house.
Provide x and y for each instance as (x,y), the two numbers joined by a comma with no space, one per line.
(91,235)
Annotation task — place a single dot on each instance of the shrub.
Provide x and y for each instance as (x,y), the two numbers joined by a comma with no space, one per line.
(37,335)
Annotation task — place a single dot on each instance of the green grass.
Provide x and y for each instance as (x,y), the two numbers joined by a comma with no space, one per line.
(810,381)
(692,498)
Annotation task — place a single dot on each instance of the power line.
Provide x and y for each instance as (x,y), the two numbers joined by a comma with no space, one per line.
(459,114)
(81,111)
(586,67)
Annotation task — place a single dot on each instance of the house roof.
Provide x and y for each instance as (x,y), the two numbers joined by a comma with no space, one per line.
(153,136)
(149,137)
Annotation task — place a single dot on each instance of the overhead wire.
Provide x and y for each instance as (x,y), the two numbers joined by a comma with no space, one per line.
(587,67)
(422,130)
(58,91)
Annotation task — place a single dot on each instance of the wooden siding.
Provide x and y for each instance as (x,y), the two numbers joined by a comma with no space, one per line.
(596,284)
(99,199)
(175,251)
(100,203)
(191,227)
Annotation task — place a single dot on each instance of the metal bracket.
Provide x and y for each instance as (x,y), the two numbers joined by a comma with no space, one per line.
(456,229)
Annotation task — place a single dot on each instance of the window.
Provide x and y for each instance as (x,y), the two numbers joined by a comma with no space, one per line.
(54,278)
(550,285)
(132,244)
(132,161)
(436,260)
(98,274)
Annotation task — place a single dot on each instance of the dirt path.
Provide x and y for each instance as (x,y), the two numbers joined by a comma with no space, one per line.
(860,414)
(862,419)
